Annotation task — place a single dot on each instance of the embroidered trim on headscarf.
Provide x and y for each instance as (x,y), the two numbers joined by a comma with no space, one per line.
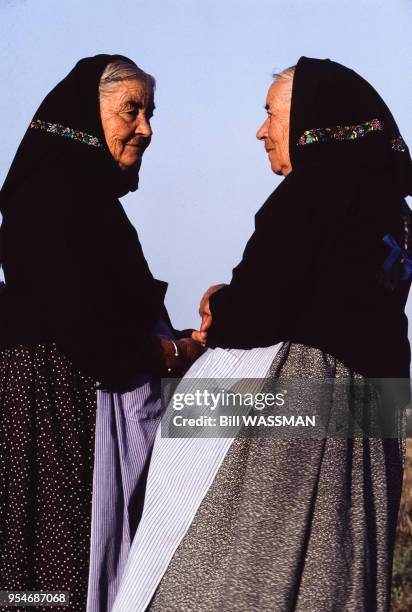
(61,130)
(348,132)
(398,144)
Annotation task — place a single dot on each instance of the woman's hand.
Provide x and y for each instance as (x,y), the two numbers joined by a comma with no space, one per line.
(189,350)
(167,363)
(205,313)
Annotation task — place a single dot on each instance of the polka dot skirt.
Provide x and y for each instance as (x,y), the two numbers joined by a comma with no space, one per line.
(47,422)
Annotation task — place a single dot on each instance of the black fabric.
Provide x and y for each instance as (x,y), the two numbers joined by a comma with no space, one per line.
(74,268)
(47,425)
(312,272)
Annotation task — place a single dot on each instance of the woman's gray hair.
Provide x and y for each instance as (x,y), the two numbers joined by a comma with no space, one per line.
(120,70)
(287,74)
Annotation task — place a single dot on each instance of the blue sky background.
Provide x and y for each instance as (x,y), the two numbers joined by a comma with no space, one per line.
(204,175)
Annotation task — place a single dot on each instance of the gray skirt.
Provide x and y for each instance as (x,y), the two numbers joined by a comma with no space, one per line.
(290,524)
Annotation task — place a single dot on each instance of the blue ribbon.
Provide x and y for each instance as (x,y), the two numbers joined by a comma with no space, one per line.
(395,254)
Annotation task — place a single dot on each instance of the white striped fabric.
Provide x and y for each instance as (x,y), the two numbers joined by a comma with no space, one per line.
(126,426)
(181,472)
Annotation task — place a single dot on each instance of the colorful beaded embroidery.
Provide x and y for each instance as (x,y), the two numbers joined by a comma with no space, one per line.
(398,144)
(61,130)
(349,132)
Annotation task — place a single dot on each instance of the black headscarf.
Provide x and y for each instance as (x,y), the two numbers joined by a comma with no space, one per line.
(72,111)
(328,263)
(75,272)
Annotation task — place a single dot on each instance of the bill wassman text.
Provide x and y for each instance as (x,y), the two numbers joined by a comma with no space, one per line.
(245,420)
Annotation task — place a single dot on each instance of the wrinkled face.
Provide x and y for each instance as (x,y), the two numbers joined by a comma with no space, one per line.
(275,130)
(125,113)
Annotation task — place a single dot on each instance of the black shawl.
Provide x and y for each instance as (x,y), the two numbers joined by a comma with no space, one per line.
(74,268)
(327,265)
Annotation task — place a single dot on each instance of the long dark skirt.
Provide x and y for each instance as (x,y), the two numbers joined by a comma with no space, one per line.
(302,525)
(47,423)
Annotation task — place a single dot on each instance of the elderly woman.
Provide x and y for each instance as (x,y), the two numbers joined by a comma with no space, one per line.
(79,310)
(282,523)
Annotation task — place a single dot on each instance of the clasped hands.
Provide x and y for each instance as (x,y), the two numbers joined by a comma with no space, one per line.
(189,349)
(206,315)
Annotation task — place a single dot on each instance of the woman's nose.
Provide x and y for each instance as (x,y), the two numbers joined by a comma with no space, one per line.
(262,131)
(143,127)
